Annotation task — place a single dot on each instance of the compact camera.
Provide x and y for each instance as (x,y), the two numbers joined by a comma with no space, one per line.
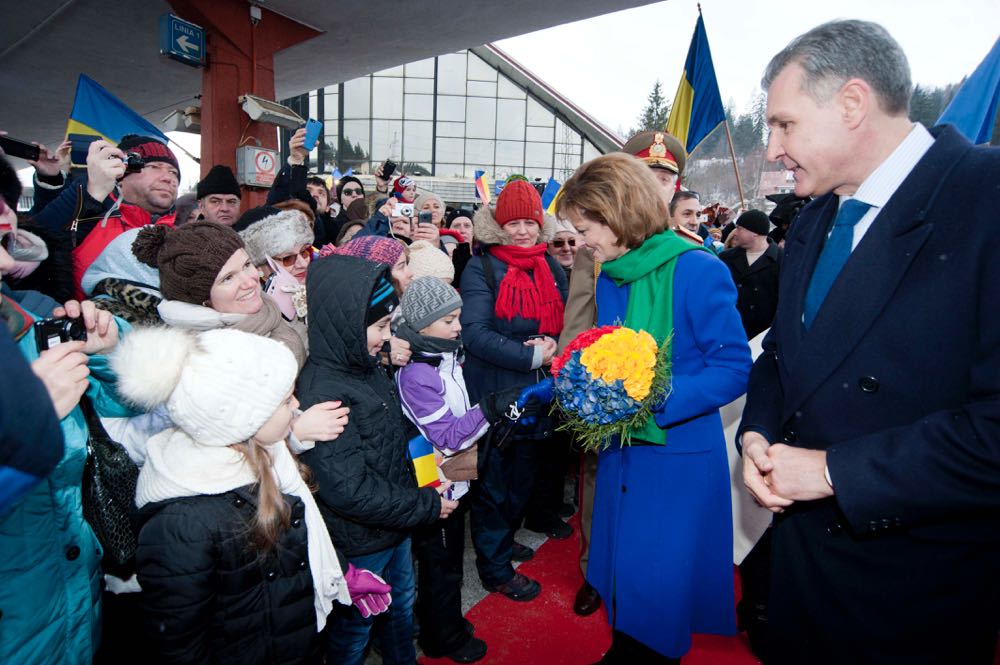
(53,332)
(133,162)
(403,209)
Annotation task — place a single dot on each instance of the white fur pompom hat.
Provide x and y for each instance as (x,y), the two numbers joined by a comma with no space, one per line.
(219,386)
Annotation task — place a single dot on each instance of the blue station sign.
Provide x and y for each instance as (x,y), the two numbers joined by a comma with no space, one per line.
(182,40)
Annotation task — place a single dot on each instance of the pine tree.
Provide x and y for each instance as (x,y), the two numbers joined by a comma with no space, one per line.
(656,113)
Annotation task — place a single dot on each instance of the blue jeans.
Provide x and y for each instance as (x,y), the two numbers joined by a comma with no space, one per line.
(348,632)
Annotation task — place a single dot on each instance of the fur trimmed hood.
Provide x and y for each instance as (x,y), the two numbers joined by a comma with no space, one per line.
(487,231)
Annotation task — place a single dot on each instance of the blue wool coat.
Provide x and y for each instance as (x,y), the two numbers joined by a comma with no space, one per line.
(661,541)
(50,577)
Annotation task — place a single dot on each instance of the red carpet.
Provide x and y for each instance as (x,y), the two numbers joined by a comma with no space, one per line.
(546,631)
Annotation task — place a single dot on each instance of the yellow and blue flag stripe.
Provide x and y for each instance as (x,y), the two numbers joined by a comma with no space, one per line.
(697,107)
(97,111)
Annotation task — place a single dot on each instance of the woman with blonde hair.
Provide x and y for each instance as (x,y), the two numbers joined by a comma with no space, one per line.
(661,542)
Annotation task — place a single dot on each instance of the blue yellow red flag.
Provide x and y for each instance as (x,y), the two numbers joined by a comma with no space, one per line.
(697,107)
(97,111)
(424,462)
(483,187)
(973,110)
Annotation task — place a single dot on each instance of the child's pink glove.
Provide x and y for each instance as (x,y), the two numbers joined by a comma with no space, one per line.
(369,592)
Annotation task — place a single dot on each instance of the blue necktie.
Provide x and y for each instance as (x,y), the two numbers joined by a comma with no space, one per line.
(833,257)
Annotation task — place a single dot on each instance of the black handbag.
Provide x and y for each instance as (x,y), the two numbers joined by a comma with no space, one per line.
(109,480)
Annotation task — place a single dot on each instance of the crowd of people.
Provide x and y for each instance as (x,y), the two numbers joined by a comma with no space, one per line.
(270,373)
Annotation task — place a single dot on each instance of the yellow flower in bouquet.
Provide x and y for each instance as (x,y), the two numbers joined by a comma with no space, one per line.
(624,354)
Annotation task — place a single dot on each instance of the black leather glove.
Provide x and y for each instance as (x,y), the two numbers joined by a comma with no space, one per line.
(495,405)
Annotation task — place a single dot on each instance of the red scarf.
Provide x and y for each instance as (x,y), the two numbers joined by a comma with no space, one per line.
(530,296)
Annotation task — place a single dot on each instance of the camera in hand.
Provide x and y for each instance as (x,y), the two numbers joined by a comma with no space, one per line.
(133,162)
(53,332)
(402,209)
(425,218)
(388,168)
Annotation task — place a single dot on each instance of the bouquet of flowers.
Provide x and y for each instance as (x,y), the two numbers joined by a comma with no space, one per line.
(608,381)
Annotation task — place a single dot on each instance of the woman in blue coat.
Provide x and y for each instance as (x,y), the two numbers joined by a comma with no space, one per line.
(661,545)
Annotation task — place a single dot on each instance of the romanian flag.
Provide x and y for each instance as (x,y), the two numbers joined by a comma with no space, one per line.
(974,108)
(697,108)
(550,195)
(483,187)
(97,111)
(424,462)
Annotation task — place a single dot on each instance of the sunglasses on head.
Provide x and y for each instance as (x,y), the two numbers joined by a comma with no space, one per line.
(352,191)
(289,261)
(568,241)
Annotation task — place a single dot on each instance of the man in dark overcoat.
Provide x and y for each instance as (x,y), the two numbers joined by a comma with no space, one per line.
(872,425)
(754,262)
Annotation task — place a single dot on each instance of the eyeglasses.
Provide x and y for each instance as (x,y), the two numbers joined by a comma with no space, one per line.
(559,243)
(289,261)
(352,192)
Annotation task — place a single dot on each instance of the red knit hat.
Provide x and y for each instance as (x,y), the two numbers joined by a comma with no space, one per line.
(519,200)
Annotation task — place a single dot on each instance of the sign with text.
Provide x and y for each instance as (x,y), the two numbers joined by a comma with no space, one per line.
(182,40)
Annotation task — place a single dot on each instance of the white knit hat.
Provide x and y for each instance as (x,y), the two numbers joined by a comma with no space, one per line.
(219,386)
(426,260)
(281,233)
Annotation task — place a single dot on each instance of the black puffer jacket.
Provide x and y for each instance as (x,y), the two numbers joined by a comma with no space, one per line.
(367,487)
(208,597)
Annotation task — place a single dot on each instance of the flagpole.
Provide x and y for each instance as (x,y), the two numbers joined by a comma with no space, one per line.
(732,153)
(182,149)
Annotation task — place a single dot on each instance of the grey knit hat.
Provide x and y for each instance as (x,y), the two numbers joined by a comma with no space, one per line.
(426,300)
(275,235)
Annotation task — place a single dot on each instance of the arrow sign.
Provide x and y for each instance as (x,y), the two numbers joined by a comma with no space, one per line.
(182,40)
(187,44)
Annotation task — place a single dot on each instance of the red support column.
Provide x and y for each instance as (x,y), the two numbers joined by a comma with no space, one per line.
(240,60)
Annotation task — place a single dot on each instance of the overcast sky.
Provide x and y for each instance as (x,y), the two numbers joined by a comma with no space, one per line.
(607,65)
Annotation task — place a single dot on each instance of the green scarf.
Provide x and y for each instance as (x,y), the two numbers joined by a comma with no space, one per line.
(649,270)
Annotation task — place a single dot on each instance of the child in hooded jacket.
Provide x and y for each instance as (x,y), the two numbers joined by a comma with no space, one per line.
(367,489)
(234,559)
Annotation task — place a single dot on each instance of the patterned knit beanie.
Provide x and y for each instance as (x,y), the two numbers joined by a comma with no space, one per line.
(373,248)
(427,300)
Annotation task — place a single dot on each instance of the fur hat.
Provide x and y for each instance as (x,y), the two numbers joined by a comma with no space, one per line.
(426,300)
(755,221)
(219,386)
(519,200)
(220,180)
(276,235)
(426,260)
(150,149)
(189,258)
